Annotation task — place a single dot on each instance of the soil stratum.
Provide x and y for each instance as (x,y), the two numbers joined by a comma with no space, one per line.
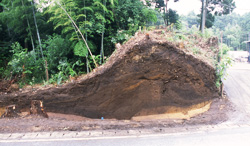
(146,76)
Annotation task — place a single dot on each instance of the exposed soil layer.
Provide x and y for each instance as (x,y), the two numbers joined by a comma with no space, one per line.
(218,113)
(143,77)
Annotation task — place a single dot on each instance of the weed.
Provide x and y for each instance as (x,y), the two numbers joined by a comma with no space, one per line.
(224,63)
(195,50)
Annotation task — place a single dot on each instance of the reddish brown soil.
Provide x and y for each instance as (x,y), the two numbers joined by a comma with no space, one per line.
(142,75)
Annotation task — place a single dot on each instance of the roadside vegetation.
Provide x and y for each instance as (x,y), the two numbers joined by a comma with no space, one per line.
(51,41)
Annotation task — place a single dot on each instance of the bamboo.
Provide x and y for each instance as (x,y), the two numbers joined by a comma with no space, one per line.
(30,33)
(103,29)
(86,37)
(80,33)
(37,30)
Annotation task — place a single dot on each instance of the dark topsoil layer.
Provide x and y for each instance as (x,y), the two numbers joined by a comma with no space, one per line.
(218,113)
(143,74)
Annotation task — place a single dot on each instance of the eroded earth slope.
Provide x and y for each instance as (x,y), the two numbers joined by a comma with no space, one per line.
(145,76)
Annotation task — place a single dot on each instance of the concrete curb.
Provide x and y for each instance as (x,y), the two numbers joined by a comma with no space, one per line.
(112,133)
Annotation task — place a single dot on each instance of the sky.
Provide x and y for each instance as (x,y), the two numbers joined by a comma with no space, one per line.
(183,7)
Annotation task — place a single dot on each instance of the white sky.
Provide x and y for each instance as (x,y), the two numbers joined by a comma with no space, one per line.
(183,7)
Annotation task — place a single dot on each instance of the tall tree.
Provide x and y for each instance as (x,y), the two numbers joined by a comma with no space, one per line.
(192,19)
(79,32)
(162,5)
(103,29)
(233,35)
(86,35)
(203,15)
(215,7)
(16,22)
(30,32)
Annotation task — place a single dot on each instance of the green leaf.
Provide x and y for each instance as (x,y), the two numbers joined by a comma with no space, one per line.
(27,72)
(80,49)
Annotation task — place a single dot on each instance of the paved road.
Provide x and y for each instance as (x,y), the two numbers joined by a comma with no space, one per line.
(220,137)
(237,87)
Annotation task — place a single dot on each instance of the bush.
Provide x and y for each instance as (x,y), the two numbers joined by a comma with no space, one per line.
(56,49)
(65,70)
(24,65)
(121,37)
(224,63)
(208,33)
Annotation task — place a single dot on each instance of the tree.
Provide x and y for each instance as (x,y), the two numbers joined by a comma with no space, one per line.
(191,19)
(172,17)
(214,7)
(67,31)
(235,29)
(162,6)
(13,17)
(37,30)
(29,28)
(132,14)
(244,22)
(222,21)
(61,11)
(233,34)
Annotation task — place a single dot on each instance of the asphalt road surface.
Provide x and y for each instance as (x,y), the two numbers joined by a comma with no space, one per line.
(237,87)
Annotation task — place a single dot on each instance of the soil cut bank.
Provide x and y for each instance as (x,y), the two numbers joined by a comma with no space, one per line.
(145,76)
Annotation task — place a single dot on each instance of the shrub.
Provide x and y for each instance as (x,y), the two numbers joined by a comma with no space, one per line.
(56,49)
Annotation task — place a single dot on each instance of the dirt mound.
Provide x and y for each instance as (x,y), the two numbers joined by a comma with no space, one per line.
(145,76)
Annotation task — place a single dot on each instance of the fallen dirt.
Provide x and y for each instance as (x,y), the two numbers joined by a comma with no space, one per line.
(145,76)
(218,113)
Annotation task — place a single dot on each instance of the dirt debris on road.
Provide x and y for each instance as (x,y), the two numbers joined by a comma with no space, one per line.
(218,113)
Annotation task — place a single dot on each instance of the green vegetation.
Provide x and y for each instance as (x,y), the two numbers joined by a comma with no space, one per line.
(62,33)
(234,28)
(75,36)
(224,63)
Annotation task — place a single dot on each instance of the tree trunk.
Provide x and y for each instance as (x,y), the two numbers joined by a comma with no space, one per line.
(86,37)
(10,112)
(203,16)
(37,30)
(30,33)
(7,27)
(87,57)
(37,108)
(87,62)
(103,29)
(166,11)
(102,51)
